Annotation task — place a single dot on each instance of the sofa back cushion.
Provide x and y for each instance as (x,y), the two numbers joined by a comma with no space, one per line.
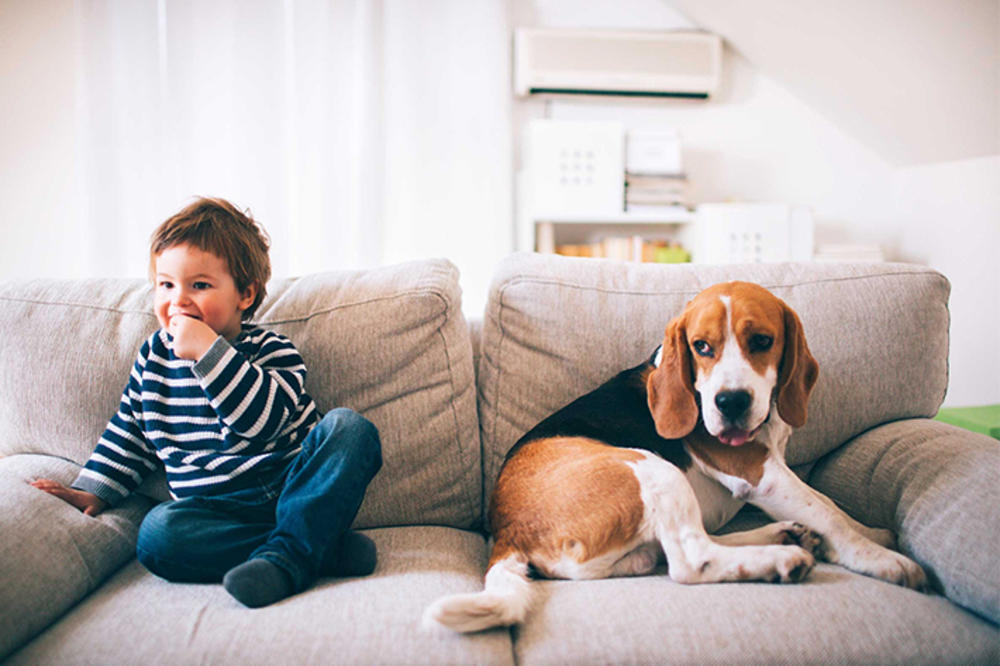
(558,327)
(390,343)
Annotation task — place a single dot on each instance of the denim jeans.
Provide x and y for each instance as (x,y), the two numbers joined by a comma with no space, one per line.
(297,525)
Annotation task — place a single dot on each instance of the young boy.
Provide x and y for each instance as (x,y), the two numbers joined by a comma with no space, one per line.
(264,491)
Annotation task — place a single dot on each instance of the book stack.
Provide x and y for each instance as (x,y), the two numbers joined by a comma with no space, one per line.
(654,177)
(844,253)
(628,248)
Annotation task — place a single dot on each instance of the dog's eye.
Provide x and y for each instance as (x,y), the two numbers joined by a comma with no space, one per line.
(760,343)
(702,348)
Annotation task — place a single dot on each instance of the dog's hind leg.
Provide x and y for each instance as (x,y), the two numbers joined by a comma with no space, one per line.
(785,532)
(673,516)
(638,562)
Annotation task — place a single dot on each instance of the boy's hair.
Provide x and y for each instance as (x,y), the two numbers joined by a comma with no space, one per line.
(217,226)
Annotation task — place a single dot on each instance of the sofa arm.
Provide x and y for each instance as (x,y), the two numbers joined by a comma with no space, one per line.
(938,488)
(51,555)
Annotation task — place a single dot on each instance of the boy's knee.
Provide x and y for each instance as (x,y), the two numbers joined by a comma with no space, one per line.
(160,542)
(154,540)
(351,427)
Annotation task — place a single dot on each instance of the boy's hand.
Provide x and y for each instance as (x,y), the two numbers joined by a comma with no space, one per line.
(192,337)
(89,503)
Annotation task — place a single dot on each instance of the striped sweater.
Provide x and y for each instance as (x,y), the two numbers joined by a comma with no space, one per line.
(233,419)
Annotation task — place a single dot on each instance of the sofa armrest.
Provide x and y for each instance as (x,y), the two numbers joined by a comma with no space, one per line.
(51,555)
(938,488)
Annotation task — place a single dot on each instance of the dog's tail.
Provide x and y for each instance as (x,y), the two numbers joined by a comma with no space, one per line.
(507,596)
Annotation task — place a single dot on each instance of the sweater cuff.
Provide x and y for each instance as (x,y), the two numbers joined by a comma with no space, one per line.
(95,487)
(211,358)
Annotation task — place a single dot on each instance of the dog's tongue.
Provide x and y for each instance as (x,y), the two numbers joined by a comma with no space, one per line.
(734,437)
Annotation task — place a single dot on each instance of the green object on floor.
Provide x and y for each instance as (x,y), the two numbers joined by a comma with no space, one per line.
(985,419)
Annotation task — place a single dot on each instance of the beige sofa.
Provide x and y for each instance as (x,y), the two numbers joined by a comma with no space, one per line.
(449,398)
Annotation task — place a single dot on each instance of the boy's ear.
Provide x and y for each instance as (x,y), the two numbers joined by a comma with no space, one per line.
(247,297)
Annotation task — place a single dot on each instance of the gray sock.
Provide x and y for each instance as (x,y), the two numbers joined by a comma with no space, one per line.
(258,582)
(354,556)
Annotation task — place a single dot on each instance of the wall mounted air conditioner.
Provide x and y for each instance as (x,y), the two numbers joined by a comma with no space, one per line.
(616,62)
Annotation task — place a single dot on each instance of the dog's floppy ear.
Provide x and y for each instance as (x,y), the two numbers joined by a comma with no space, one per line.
(799,371)
(670,388)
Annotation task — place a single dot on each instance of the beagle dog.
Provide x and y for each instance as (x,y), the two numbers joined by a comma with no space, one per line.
(653,461)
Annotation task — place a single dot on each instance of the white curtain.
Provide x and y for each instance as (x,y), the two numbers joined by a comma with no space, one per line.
(359,132)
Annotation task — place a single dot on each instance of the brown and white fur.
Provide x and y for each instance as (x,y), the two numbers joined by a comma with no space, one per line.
(655,459)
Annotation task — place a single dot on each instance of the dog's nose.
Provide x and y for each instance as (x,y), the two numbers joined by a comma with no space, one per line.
(733,404)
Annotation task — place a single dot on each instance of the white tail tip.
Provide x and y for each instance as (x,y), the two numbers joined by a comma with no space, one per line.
(504,602)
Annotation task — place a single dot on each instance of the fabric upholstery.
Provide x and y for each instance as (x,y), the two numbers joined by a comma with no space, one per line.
(557,327)
(833,617)
(391,343)
(371,620)
(938,487)
(51,555)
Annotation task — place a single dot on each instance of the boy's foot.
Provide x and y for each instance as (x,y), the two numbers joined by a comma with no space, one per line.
(258,582)
(354,556)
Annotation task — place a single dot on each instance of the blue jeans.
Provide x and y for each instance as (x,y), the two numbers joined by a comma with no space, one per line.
(297,525)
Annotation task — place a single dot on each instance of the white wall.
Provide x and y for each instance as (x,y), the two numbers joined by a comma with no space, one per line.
(359,133)
(757,141)
(37,177)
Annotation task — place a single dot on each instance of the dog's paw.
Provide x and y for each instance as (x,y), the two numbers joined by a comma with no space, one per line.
(900,570)
(873,560)
(797,534)
(792,564)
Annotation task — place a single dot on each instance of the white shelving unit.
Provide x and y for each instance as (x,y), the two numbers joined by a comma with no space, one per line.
(541,232)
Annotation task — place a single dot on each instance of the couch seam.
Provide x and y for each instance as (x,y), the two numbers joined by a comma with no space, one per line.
(315,313)
(428,291)
(770,285)
(451,381)
(496,406)
(86,306)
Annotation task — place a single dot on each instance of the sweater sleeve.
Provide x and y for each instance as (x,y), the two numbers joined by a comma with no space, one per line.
(258,399)
(123,457)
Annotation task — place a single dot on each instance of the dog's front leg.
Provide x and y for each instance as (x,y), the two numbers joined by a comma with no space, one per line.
(784,496)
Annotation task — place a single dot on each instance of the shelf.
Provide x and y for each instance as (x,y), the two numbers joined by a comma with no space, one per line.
(671,217)
(540,232)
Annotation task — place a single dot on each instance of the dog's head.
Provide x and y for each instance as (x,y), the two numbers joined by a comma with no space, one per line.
(734,349)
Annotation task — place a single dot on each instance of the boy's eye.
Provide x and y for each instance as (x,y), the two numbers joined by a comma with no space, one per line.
(166,285)
(202,285)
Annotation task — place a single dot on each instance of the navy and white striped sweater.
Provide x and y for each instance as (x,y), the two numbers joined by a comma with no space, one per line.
(234,419)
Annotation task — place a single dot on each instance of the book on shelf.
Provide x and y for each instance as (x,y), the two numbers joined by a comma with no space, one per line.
(845,253)
(656,189)
(628,248)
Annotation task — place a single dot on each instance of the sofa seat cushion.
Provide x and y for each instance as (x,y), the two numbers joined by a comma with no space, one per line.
(51,555)
(557,327)
(138,618)
(389,342)
(834,616)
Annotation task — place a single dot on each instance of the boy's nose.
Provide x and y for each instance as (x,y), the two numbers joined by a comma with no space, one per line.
(181,297)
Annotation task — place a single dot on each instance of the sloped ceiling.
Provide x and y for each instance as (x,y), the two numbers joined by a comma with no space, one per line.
(918,81)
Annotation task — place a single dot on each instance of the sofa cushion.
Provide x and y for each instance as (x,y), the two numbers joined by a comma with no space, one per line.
(368,620)
(557,327)
(938,487)
(391,343)
(835,616)
(52,555)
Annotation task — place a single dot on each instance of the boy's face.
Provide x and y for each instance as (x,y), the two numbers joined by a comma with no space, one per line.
(193,283)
